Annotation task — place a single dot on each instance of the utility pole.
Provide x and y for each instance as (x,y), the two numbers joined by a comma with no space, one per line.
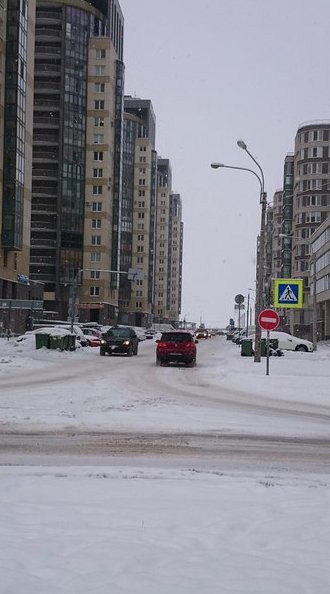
(314,304)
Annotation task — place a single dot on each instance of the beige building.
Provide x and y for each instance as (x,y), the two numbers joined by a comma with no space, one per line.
(99,287)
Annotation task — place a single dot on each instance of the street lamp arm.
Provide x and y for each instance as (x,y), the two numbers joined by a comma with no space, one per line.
(244,147)
(219,165)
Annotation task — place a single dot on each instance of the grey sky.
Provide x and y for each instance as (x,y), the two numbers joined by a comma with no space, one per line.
(217,71)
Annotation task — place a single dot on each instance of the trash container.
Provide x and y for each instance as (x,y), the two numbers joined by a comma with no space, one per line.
(70,342)
(246,347)
(42,340)
(263,349)
(57,342)
(273,344)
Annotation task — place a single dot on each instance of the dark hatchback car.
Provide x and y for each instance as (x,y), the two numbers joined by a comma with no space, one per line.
(176,347)
(119,340)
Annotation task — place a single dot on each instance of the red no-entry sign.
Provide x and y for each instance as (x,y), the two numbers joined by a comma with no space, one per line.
(268,319)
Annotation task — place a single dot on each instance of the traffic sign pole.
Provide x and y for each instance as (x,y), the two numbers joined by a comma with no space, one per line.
(268,319)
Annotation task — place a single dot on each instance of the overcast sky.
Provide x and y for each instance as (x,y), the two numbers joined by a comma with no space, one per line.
(217,71)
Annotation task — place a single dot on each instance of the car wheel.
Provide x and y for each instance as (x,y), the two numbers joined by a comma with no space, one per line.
(130,351)
(136,351)
(157,362)
(102,353)
(302,348)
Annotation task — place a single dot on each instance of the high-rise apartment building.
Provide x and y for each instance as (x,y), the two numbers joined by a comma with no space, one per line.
(311,204)
(76,175)
(17,21)
(81,186)
(306,205)
(138,221)
(175,257)
(169,247)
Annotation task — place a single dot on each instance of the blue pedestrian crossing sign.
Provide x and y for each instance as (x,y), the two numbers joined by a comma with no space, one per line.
(288,292)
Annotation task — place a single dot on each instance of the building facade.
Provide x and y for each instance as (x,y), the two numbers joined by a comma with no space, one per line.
(320,285)
(138,221)
(17,30)
(77,124)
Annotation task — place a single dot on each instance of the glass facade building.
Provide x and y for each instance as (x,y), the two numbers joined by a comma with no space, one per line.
(62,41)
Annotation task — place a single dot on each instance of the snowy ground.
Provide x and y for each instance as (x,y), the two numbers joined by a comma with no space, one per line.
(142,529)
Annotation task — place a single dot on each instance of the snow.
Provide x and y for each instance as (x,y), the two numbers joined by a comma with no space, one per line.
(144,527)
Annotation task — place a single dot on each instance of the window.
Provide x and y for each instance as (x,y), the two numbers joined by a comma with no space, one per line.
(97,172)
(98,138)
(95,257)
(142,193)
(99,70)
(95,273)
(143,148)
(99,104)
(97,189)
(142,169)
(96,223)
(96,239)
(142,182)
(98,156)
(140,237)
(100,54)
(98,122)
(138,304)
(141,204)
(139,259)
(94,291)
(99,87)
(97,206)
(140,248)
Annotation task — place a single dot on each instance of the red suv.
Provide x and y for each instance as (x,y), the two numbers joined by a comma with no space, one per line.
(176,347)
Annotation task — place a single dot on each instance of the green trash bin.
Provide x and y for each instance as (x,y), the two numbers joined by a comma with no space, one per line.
(70,342)
(273,344)
(246,347)
(57,342)
(42,340)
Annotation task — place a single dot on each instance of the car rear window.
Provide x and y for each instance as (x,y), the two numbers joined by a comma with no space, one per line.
(119,333)
(176,337)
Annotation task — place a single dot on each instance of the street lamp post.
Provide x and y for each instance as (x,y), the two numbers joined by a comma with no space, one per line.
(261,246)
(260,255)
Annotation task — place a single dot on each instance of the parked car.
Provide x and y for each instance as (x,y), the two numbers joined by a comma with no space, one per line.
(119,339)
(92,340)
(176,347)
(91,332)
(287,342)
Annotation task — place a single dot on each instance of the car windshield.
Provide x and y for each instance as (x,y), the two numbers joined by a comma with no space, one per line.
(119,333)
(176,337)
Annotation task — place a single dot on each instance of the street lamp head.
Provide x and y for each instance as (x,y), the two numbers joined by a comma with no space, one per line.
(242,144)
(216,165)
